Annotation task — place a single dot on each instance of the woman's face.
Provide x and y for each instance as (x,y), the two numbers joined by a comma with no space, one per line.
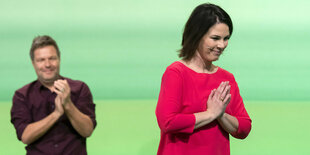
(213,43)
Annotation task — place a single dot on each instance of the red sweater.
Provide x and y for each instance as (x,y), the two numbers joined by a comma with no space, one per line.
(185,92)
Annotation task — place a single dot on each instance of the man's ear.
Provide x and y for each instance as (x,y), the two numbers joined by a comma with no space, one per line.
(32,62)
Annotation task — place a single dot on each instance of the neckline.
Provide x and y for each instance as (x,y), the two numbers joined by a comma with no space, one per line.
(40,85)
(217,70)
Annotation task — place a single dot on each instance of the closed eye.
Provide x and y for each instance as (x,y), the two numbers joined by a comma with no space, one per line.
(216,38)
(40,60)
(53,58)
(227,38)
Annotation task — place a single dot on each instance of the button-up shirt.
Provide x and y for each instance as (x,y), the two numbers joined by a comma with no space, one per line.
(33,102)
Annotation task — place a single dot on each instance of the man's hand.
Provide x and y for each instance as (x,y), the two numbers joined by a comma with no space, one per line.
(58,106)
(80,122)
(62,89)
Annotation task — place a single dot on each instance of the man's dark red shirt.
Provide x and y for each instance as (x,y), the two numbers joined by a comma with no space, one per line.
(34,102)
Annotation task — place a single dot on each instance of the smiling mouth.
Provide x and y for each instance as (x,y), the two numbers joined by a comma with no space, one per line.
(48,71)
(217,52)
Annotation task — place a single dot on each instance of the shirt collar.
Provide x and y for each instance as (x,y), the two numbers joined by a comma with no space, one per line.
(40,86)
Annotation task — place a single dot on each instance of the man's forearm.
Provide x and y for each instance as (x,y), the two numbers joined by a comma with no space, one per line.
(81,122)
(37,129)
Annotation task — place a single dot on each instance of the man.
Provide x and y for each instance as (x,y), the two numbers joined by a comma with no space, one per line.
(53,114)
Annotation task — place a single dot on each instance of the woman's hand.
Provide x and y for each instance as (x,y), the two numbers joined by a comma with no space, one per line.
(216,105)
(218,99)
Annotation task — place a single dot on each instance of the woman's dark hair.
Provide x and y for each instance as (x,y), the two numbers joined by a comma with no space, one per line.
(202,18)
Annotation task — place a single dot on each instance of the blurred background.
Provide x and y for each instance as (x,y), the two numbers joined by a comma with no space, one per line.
(121,49)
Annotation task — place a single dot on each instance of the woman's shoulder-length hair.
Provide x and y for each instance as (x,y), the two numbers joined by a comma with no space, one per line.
(202,18)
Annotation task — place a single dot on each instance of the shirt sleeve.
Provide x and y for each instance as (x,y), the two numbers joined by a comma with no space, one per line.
(85,103)
(238,110)
(169,106)
(20,114)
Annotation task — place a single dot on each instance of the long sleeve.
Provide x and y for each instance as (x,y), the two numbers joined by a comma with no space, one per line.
(185,92)
(239,111)
(85,103)
(169,107)
(20,114)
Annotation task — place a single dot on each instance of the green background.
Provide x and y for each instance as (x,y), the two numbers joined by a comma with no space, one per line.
(121,49)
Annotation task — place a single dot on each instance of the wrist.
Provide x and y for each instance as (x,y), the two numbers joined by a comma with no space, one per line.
(56,114)
(221,117)
(210,115)
(67,105)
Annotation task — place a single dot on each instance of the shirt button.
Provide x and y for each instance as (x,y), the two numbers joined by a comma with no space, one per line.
(56,145)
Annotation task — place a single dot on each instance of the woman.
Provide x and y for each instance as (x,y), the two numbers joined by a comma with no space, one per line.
(199,103)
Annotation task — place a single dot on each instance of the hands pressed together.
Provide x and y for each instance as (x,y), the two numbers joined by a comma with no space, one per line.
(219,99)
(62,89)
(63,104)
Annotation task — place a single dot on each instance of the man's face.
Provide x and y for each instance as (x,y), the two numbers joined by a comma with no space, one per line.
(46,64)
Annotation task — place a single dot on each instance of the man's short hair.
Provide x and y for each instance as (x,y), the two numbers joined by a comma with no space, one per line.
(42,41)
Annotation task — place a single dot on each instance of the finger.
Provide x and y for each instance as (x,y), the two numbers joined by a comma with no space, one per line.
(225,92)
(53,89)
(227,99)
(58,102)
(58,92)
(212,93)
(57,99)
(59,86)
(59,83)
(64,84)
(222,87)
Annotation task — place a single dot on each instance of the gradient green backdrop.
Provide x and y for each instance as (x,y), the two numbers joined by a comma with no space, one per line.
(121,49)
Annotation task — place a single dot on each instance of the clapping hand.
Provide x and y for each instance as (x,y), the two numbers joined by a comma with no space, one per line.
(62,89)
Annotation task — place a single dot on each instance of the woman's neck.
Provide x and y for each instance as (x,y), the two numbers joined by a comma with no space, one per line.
(199,65)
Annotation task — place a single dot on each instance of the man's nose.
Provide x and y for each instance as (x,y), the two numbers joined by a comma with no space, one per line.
(47,63)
